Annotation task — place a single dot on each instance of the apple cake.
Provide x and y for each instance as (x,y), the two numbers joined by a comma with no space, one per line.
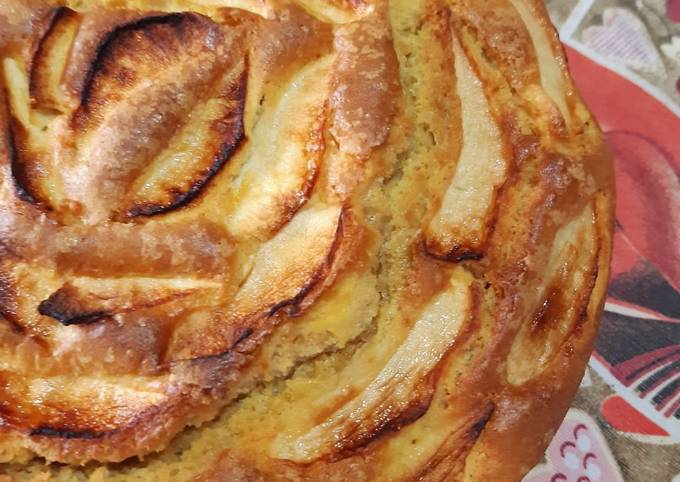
(263,240)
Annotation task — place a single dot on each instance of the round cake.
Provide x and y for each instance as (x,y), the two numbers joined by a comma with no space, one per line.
(259,240)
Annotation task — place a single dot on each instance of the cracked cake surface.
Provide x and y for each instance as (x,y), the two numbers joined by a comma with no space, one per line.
(265,240)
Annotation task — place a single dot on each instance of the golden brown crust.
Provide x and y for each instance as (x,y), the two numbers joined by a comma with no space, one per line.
(369,239)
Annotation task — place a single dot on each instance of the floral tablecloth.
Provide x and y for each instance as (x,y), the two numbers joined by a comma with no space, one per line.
(625,422)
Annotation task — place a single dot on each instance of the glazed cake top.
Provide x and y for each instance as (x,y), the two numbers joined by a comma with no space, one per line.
(339,224)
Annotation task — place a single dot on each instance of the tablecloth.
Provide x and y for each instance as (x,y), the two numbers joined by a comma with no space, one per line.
(625,422)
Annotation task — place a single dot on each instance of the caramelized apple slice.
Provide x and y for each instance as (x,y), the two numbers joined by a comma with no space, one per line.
(200,249)
(460,227)
(366,88)
(81,407)
(550,64)
(29,132)
(284,155)
(50,61)
(561,301)
(337,12)
(396,388)
(85,300)
(286,274)
(207,140)
(281,276)
(146,78)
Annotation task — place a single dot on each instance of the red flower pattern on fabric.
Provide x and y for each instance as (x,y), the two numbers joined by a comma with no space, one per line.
(578,453)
